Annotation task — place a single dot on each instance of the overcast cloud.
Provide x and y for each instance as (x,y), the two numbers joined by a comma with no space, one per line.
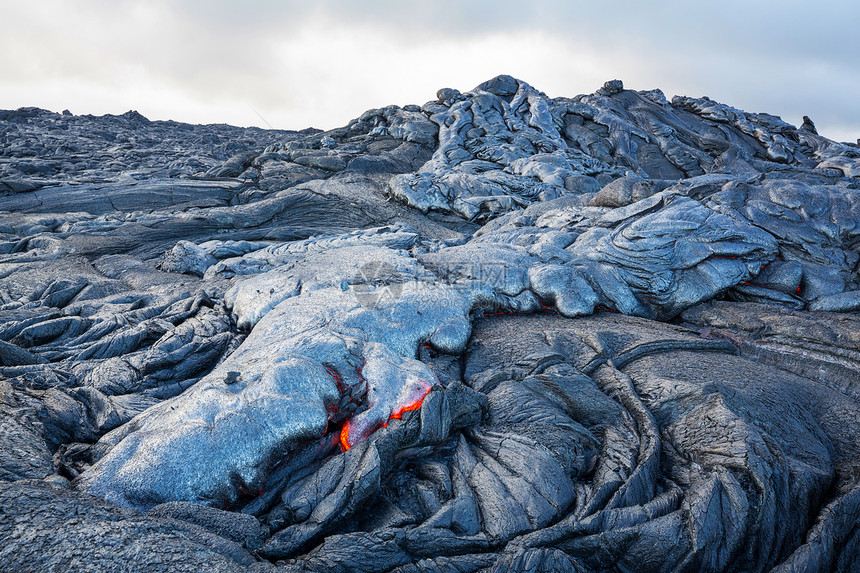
(292,64)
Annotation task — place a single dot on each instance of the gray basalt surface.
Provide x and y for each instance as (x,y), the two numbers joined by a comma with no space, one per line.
(498,332)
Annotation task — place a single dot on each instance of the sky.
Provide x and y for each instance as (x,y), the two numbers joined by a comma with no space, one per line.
(291,64)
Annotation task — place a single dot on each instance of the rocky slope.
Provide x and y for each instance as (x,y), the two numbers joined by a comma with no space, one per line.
(497,332)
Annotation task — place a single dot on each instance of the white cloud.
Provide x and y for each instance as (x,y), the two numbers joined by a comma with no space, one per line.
(299,64)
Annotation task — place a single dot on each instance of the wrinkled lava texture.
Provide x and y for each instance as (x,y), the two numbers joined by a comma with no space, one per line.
(494,333)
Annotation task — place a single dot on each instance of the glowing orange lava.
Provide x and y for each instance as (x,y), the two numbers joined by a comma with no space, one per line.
(415,405)
(409,407)
(337,378)
(344,436)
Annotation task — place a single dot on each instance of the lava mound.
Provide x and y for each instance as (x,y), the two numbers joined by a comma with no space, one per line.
(498,332)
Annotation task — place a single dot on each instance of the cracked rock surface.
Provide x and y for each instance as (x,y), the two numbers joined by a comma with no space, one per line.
(498,332)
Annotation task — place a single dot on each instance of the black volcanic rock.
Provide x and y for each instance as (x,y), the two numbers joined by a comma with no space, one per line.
(496,332)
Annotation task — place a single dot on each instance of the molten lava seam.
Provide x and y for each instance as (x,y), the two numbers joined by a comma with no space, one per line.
(344,432)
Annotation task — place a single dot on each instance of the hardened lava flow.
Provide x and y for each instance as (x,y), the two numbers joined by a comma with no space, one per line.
(497,332)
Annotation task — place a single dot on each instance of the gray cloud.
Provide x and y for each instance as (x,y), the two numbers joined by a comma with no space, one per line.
(321,63)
